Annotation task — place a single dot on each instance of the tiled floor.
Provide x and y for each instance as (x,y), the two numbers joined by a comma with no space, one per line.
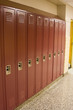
(58,97)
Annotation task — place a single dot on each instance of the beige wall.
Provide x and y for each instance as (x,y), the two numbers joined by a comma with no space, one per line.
(43,5)
(61,9)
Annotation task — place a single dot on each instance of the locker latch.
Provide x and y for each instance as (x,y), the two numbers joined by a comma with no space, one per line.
(37,60)
(29,63)
(62,52)
(54,55)
(44,58)
(58,53)
(19,66)
(8,69)
(49,56)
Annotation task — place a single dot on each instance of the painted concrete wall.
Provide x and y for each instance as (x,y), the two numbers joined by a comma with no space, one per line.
(61,10)
(43,5)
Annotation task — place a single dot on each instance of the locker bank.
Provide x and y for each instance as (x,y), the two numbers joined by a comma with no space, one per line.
(32,53)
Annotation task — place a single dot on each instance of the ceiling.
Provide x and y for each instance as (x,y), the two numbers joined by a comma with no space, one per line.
(61,2)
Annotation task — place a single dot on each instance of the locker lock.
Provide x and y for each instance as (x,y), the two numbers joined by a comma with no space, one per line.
(54,55)
(58,53)
(44,58)
(49,56)
(37,60)
(29,63)
(8,69)
(19,66)
(62,52)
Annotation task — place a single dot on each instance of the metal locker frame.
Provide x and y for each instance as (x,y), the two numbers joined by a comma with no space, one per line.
(39,41)
(9,53)
(31,54)
(21,36)
(45,52)
(55,50)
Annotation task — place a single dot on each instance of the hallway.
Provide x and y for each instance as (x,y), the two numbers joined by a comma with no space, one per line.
(58,97)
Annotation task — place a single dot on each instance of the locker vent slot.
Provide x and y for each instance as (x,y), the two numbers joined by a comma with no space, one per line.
(39,21)
(21,18)
(31,19)
(9,17)
(45,22)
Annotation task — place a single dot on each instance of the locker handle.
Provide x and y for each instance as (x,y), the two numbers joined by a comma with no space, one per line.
(19,66)
(62,52)
(49,56)
(8,69)
(58,53)
(37,60)
(54,55)
(44,58)
(29,63)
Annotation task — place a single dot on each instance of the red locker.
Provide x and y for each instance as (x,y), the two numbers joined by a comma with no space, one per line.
(9,47)
(21,34)
(31,54)
(60,36)
(51,35)
(39,44)
(63,35)
(59,50)
(63,48)
(45,52)
(1,86)
(55,50)
(50,51)
(62,62)
(2,106)
(50,67)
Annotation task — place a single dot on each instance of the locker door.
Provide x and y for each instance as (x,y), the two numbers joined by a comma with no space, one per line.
(1,84)
(59,50)
(39,42)
(60,36)
(45,52)
(31,54)
(9,46)
(63,48)
(55,51)
(63,35)
(22,55)
(50,67)
(51,35)
(62,62)
(50,51)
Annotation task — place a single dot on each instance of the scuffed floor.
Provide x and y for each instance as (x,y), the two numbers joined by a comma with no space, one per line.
(58,97)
